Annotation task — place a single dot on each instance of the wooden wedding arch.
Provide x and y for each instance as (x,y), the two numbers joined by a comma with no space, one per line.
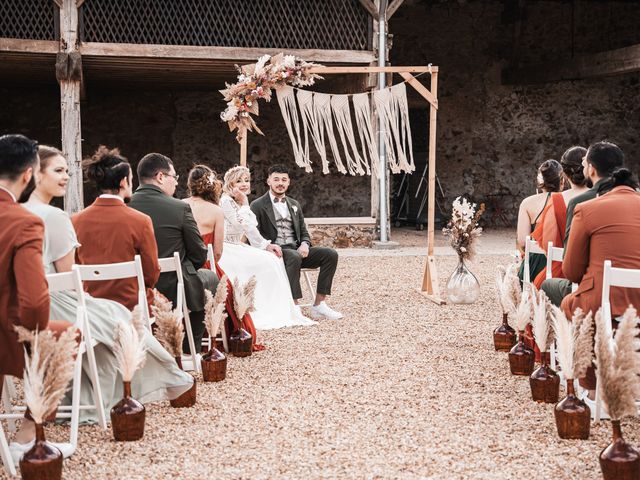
(430,284)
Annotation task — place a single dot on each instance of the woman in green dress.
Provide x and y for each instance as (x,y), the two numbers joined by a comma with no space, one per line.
(160,378)
(549,180)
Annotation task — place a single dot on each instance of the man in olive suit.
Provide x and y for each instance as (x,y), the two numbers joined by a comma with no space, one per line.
(175,231)
(281,221)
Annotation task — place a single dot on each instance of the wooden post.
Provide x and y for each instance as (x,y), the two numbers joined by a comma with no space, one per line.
(70,88)
(243,148)
(430,283)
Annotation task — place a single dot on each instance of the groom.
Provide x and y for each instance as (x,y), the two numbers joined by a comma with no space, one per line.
(281,221)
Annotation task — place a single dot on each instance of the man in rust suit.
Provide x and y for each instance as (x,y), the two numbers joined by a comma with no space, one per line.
(24,292)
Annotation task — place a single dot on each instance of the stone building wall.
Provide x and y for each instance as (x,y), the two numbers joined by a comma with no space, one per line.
(492,137)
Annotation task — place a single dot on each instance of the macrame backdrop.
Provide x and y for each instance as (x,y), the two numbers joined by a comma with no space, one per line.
(317,116)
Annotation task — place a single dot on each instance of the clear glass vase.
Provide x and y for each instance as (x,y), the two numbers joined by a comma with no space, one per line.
(463,286)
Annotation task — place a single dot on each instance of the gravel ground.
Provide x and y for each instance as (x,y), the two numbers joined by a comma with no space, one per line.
(400,388)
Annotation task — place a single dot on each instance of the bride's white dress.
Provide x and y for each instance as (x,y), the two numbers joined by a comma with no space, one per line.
(274,307)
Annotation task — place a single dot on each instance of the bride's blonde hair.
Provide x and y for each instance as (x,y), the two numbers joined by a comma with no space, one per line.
(233,175)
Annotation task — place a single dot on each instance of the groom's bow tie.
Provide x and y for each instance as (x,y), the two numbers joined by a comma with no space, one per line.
(276,200)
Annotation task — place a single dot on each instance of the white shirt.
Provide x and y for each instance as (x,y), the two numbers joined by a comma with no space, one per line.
(108,195)
(281,206)
(10,193)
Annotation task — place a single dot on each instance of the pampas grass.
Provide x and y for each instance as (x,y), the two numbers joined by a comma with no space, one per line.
(508,286)
(169,327)
(541,325)
(48,370)
(523,312)
(129,348)
(243,297)
(214,314)
(574,341)
(618,363)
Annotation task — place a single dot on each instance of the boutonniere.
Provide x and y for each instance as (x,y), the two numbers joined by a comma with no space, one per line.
(295,209)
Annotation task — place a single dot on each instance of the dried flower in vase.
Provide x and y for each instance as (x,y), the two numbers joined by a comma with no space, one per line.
(463,228)
(574,340)
(243,297)
(169,327)
(129,347)
(542,332)
(508,286)
(48,370)
(524,310)
(214,314)
(618,363)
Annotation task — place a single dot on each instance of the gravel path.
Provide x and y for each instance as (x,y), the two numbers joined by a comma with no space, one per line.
(400,388)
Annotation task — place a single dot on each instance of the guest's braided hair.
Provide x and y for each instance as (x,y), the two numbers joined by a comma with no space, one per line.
(203,183)
(571,162)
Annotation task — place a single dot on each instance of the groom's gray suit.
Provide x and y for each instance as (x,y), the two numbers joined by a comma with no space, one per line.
(290,233)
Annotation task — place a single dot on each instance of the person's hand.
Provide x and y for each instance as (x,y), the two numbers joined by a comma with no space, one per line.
(275,249)
(303,249)
(239,197)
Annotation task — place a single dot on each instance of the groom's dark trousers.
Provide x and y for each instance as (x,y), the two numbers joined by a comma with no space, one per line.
(319,257)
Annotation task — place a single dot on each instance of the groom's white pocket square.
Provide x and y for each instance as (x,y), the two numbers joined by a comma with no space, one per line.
(295,209)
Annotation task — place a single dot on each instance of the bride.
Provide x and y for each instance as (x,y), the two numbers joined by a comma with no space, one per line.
(274,306)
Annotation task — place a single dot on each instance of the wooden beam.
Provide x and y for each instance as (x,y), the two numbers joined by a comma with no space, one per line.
(58,3)
(393,6)
(612,62)
(243,148)
(340,70)
(29,46)
(222,53)
(370,7)
(422,90)
(70,109)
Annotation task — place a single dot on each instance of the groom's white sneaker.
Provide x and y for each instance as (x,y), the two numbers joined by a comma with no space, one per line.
(323,310)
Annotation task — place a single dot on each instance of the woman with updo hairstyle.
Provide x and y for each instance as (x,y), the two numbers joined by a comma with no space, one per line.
(204,190)
(109,171)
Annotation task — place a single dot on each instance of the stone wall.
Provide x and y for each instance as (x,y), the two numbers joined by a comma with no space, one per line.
(342,236)
(492,137)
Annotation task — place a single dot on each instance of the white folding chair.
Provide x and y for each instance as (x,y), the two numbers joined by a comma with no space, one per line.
(612,277)
(223,329)
(5,454)
(173,264)
(530,246)
(306,273)
(117,271)
(59,282)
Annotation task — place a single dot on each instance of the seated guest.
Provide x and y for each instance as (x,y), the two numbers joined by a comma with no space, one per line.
(549,180)
(600,160)
(281,221)
(110,232)
(204,195)
(24,296)
(175,230)
(552,222)
(160,378)
(204,190)
(605,228)
(274,306)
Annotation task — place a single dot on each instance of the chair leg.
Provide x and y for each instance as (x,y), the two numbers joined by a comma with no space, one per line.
(553,355)
(5,454)
(95,383)
(8,392)
(192,344)
(75,399)
(597,413)
(223,332)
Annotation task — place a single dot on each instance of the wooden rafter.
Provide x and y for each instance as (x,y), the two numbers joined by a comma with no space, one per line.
(370,7)
(393,6)
(612,62)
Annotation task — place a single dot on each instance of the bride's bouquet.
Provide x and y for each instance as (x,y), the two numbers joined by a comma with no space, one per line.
(463,228)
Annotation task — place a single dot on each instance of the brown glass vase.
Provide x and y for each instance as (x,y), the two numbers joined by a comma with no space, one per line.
(128,417)
(573,416)
(521,357)
(619,461)
(43,461)
(240,343)
(214,365)
(188,398)
(545,382)
(504,337)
